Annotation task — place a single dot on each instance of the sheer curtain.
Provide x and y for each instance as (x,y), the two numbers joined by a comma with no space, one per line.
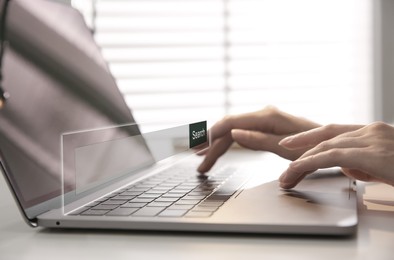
(187,60)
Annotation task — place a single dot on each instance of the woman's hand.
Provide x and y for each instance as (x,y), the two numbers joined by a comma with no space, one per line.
(364,152)
(260,130)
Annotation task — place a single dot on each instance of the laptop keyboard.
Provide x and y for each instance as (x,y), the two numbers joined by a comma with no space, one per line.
(172,193)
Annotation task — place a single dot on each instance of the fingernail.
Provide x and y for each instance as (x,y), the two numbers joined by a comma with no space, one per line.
(286,141)
(295,163)
(285,185)
(202,167)
(238,134)
(282,177)
(285,181)
(289,177)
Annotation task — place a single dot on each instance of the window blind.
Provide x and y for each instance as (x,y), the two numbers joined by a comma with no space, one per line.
(187,60)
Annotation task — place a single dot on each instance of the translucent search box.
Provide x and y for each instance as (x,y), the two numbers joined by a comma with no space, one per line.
(98,161)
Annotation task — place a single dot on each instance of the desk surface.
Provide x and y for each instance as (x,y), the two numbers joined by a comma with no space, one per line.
(374,240)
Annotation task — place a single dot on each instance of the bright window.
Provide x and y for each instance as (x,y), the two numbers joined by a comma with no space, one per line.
(181,61)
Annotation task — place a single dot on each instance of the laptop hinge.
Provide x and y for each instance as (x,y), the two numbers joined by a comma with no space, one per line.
(32,222)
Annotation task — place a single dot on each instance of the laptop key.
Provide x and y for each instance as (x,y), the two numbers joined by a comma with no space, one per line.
(199,214)
(181,207)
(149,211)
(173,213)
(195,197)
(106,206)
(93,212)
(226,190)
(187,186)
(132,193)
(113,202)
(122,212)
(161,199)
(134,205)
(211,203)
(167,185)
(159,204)
(187,202)
(148,196)
(138,189)
(142,200)
(160,190)
(210,209)
(163,189)
(215,197)
(173,195)
(200,193)
(123,197)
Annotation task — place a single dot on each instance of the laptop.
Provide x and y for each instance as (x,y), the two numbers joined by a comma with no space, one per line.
(60,88)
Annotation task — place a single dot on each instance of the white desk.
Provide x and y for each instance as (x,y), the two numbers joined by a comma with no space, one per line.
(374,240)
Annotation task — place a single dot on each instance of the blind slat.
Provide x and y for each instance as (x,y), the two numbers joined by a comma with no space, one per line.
(204,58)
(168,85)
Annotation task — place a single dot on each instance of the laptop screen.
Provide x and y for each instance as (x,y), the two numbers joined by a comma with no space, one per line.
(58,82)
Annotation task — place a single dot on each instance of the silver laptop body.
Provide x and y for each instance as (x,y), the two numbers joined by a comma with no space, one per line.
(59,82)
